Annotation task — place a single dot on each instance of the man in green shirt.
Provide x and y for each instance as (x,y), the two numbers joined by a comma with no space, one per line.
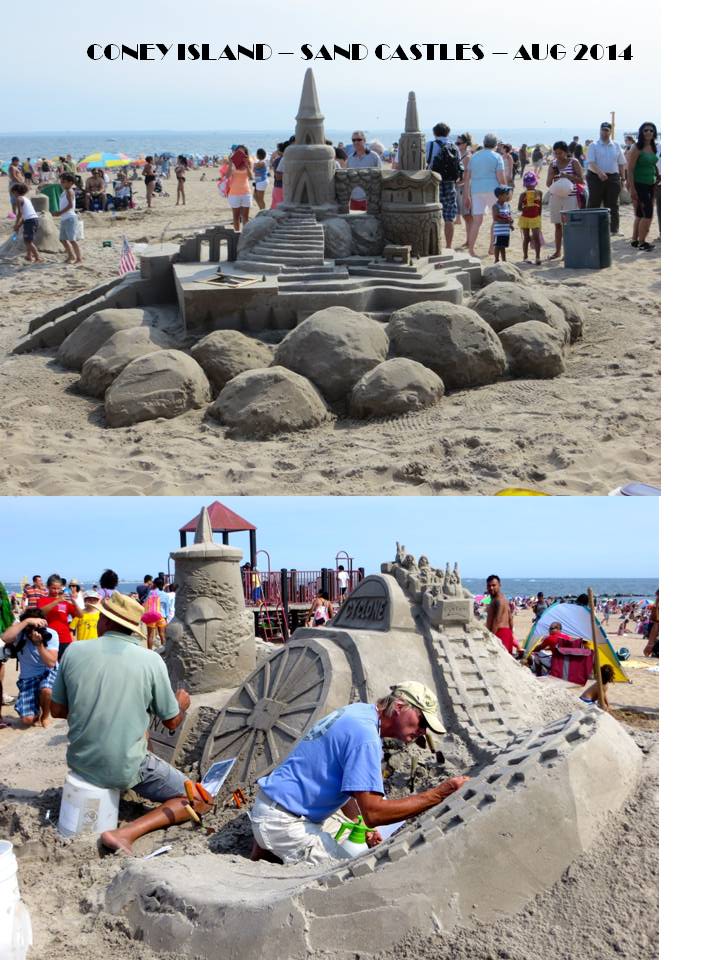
(107,690)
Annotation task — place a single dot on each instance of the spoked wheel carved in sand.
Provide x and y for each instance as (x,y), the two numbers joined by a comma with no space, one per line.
(270,712)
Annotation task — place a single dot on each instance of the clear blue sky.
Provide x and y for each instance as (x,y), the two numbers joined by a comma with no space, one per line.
(168,94)
(515,536)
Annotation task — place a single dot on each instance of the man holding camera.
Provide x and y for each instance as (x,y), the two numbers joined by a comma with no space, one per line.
(36,648)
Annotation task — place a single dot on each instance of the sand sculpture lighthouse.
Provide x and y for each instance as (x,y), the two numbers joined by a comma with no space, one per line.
(211,641)
(309,168)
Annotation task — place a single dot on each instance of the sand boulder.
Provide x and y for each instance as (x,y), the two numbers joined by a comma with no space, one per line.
(503,304)
(99,370)
(574,312)
(163,384)
(338,238)
(533,350)
(224,354)
(95,330)
(259,404)
(504,272)
(394,387)
(451,340)
(334,348)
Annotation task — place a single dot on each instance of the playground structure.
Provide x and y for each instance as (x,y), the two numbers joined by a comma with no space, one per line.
(279,599)
(537,757)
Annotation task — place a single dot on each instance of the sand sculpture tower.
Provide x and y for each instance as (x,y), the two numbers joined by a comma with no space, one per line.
(309,162)
(412,141)
(211,642)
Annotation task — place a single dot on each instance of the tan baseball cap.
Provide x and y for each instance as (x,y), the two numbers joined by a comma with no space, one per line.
(422,697)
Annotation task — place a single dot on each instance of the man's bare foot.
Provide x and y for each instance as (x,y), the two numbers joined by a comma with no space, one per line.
(46,722)
(260,853)
(115,843)
(554,256)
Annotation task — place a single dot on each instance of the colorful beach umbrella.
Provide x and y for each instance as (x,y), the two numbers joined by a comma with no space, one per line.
(103,160)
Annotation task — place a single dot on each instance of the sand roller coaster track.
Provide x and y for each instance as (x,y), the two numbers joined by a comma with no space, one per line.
(271,711)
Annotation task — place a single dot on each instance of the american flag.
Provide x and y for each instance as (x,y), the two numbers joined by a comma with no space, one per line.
(127,258)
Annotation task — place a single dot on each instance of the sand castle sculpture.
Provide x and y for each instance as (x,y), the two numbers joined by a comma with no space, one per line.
(480,855)
(401,319)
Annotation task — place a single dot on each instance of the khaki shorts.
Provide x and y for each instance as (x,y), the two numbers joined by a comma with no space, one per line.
(293,838)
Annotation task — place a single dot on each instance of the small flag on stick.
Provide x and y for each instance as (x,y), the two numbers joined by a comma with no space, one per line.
(127,258)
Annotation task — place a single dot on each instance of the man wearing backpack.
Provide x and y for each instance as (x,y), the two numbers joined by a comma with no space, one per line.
(443,158)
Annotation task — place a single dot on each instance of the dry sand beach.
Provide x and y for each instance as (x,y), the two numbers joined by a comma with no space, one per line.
(605,905)
(586,432)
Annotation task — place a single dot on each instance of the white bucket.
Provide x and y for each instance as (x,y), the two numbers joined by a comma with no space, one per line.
(86,808)
(15,926)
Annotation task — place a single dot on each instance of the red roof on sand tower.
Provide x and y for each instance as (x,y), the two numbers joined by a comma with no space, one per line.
(222,520)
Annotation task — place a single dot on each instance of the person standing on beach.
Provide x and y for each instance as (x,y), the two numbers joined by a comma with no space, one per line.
(563,167)
(14,177)
(69,221)
(483,173)
(34,592)
(180,175)
(443,158)
(499,615)
(239,197)
(605,174)
(108,583)
(150,176)
(26,217)
(530,222)
(642,162)
(108,690)
(261,172)
(58,610)
(360,158)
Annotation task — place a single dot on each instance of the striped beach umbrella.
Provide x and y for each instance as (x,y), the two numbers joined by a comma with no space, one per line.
(103,160)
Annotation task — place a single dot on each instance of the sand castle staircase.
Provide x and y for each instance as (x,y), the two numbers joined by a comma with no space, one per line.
(295,250)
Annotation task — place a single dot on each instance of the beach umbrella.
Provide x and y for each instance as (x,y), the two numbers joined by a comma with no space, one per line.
(102,159)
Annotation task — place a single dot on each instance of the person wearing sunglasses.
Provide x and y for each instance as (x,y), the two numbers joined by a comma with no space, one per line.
(642,176)
(361,157)
(338,766)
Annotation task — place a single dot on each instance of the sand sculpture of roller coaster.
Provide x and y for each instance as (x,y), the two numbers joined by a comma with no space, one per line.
(478,855)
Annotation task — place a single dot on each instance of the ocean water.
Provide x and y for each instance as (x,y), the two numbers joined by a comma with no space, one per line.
(137,143)
(512,587)
(571,586)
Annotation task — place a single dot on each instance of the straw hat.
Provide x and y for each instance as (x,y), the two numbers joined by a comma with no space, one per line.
(124,610)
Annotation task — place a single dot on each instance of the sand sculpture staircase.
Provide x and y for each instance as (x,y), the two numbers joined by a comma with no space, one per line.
(295,250)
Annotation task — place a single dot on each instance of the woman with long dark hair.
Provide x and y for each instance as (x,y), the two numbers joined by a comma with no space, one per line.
(642,163)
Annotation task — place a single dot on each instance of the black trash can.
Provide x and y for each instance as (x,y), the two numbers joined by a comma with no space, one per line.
(586,238)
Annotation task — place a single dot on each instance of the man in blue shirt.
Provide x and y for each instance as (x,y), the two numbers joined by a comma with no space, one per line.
(337,766)
(37,650)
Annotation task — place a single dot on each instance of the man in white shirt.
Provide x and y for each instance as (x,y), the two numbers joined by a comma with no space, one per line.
(361,157)
(605,174)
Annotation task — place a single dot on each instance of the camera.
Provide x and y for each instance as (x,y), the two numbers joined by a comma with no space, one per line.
(45,634)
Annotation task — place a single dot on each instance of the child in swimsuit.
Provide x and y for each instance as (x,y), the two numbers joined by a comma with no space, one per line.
(530,222)
(591,695)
